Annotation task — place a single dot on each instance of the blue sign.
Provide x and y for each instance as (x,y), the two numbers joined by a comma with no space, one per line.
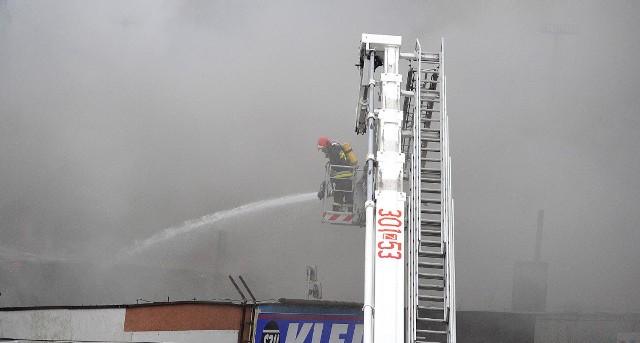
(308,328)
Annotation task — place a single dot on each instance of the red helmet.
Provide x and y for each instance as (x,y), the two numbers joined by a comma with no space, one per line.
(323,142)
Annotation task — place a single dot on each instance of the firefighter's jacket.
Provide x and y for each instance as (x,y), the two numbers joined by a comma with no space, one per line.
(338,157)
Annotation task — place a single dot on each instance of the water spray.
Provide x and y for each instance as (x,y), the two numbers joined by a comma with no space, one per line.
(194,225)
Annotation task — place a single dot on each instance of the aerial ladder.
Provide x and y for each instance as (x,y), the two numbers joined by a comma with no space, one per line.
(409,293)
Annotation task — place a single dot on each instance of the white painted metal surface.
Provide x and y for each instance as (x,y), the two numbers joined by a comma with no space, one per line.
(64,324)
(384,256)
(100,325)
(379,42)
(390,201)
(188,336)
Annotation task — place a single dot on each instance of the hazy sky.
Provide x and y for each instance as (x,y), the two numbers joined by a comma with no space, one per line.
(119,119)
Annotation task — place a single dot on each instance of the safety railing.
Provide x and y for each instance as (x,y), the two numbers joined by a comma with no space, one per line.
(342,202)
(447,211)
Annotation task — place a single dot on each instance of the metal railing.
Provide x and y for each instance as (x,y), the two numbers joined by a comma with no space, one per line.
(333,184)
(447,211)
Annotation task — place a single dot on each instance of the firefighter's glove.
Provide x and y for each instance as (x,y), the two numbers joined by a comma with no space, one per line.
(323,190)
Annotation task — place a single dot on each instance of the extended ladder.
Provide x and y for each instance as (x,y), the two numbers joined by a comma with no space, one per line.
(409,251)
(430,253)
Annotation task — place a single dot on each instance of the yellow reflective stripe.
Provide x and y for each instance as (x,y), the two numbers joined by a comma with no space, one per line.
(343,176)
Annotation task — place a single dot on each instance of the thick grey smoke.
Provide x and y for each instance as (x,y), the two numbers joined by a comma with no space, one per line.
(121,119)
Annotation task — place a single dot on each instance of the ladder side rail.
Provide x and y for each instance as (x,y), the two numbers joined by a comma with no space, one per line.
(369,272)
(411,254)
(451,244)
(450,290)
(443,195)
(453,320)
(410,260)
(447,227)
(418,174)
(416,191)
(450,248)
(408,268)
(407,148)
(327,184)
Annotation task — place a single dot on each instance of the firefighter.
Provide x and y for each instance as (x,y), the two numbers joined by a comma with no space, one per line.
(340,175)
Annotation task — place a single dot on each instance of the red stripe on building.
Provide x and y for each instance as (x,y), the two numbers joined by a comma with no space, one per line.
(182,317)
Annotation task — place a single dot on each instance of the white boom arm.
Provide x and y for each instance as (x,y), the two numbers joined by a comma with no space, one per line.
(388,258)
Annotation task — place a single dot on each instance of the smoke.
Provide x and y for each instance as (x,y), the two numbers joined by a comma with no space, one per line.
(121,119)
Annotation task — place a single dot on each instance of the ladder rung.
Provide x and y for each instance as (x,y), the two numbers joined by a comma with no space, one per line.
(430,232)
(430,61)
(432,320)
(429,222)
(430,298)
(427,243)
(424,57)
(431,288)
(431,170)
(424,129)
(431,308)
(430,160)
(435,93)
(430,135)
(432,332)
(430,201)
(430,276)
(434,120)
(429,139)
(430,190)
(430,211)
(429,179)
(429,81)
(431,265)
(430,254)
(429,110)
(430,55)
(430,149)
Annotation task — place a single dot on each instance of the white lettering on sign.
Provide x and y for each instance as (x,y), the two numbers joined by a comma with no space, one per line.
(293,336)
(317,333)
(337,334)
(338,330)
(390,227)
(358,334)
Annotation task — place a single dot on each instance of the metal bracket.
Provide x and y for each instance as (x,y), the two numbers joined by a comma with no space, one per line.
(367,204)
